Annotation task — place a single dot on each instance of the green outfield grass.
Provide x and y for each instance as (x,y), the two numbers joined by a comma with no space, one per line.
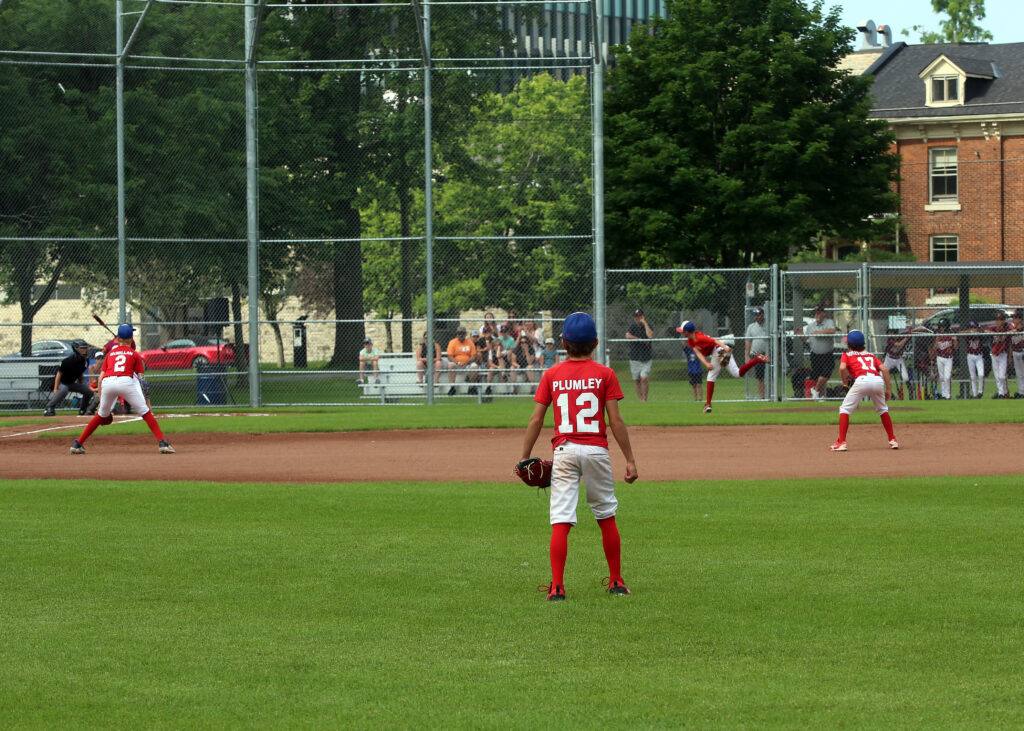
(862,603)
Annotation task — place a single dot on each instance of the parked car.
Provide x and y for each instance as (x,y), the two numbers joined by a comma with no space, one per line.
(984,315)
(189,353)
(56,350)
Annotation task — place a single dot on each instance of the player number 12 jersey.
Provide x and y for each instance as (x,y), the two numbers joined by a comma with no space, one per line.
(579,390)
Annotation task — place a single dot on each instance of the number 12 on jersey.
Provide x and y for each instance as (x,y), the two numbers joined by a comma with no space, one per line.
(585,406)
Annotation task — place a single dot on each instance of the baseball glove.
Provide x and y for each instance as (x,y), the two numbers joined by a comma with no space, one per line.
(534,472)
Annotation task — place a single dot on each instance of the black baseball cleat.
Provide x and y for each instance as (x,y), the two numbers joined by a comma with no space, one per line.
(616,586)
(556,592)
(451,391)
(77,448)
(707,409)
(165,447)
(49,412)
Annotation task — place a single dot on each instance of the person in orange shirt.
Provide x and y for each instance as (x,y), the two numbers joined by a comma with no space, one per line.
(462,357)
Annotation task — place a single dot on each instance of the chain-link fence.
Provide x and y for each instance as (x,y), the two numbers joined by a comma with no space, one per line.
(262,188)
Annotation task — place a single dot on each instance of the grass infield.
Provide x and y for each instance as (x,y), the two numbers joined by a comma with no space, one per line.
(760,604)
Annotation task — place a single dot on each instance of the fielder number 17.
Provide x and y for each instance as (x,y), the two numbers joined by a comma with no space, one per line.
(587,406)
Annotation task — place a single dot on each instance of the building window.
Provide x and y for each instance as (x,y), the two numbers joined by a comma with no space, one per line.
(942,175)
(945,89)
(945,247)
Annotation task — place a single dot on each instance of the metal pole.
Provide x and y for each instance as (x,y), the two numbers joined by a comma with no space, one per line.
(428,200)
(122,269)
(252,202)
(597,135)
(778,343)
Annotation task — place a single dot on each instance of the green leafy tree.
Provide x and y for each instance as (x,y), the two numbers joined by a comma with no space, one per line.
(57,172)
(529,177)
(961,24)
(732,138)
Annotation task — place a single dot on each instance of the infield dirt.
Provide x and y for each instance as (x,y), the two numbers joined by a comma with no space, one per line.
(470,455)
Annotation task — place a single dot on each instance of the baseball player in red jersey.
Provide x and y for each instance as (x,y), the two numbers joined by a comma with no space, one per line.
(1000,345)
(122,369)
(582,390)
(944,347)
(711,354)
(975,358)
(1017,349)
(870,379)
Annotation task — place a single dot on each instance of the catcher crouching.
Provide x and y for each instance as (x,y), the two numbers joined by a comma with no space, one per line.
(583,392)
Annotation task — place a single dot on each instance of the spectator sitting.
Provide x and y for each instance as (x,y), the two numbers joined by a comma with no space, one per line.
(421,360)
(494,361)
(522,359)
(490,327)
(549,356)
(536,336)
(368,360)
(461,357)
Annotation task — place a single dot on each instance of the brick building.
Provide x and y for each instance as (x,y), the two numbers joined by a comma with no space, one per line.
(957,111)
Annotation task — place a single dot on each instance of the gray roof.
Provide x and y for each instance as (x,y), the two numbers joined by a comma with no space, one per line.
(898,90)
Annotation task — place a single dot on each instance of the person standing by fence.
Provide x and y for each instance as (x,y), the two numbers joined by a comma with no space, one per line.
(944,347)
(641,353)
(1017,348)
(1000,344)
(975,344)
(757,344)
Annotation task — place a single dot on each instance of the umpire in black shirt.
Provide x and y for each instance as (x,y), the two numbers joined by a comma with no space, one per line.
(69,378)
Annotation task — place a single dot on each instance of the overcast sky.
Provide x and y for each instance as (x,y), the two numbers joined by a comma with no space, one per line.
(1004,19)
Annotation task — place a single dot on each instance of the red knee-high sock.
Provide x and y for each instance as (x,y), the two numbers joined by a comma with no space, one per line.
(844,425)
(612,547)
(748,365)
(94,422)
(559,550)
(887,423)
(711,391)
(153,426)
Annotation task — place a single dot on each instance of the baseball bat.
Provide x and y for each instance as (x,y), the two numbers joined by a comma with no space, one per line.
(100,321)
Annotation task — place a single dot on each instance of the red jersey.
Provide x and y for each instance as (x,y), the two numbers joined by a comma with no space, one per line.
(121,360)
(975,344)
(579,390)
(944,345)
(703,343)
(861,363)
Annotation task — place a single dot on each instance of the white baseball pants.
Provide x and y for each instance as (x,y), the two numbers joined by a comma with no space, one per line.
(716,366)
(872,387)
(976,369)
(894,364)
(1018,365)
(999,371)
(945,368)
(571,463)
(126,387)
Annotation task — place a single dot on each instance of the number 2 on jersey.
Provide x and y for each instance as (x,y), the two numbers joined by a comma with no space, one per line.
(119,361)
(587,405)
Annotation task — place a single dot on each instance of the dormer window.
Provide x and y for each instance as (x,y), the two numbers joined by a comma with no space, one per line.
(945,89)
(946,78)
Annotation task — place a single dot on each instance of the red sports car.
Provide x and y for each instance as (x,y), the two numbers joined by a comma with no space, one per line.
(188,353)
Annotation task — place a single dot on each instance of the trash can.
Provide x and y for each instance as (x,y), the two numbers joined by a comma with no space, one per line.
(299,343)
(211,384)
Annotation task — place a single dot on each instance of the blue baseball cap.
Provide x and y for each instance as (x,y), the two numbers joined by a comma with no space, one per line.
(855,338)
(125,331)
(579,327)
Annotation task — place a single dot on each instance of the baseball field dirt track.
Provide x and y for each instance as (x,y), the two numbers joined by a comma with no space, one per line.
(663,453)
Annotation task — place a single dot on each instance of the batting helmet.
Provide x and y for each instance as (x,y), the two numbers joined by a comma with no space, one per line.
(855,339)
(78,344)
(944,322)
